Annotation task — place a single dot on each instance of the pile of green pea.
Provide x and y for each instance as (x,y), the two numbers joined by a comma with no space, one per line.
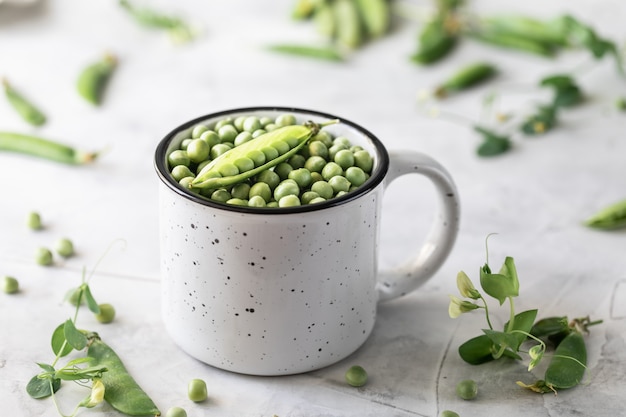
(326,167)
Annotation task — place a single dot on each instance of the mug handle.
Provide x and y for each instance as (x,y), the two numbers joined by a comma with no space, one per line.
(403,279)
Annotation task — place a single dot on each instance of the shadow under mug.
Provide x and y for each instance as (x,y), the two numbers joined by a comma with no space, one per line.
(277,291)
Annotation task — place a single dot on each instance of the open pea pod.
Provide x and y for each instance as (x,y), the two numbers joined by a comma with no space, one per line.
(255,156)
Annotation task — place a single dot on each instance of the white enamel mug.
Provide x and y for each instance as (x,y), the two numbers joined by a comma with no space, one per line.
(277,291)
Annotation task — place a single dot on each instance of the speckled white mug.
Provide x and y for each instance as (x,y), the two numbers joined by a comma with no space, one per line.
(283,291)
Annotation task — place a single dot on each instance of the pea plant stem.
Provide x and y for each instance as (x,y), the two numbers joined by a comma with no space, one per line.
(487,312)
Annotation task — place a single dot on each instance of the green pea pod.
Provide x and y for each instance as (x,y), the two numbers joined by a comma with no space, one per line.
(324,53)
(349,25)
(512,41)
(324,19)
(121,390)
(567,367)
(467,77)
(611,217)
(544,32)
(304,9)
(226,169)
(376,16)
(44,148)
(28,111)
(435,41)
(549,326)
(93,79)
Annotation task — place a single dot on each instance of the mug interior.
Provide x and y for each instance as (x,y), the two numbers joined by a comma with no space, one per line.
(354,132)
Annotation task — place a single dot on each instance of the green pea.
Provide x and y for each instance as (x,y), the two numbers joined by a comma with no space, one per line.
(227,133)
(302,176)
(256,201)
(227,170)
(270,153)
(356,176)
(238,122)
(260,189)
(269,177)
(242,138)
(237,202)
(198,130)
(202,165)
(269,127)
(339,184)
(325,137)
(33,220)
(241,191)
(317,200)
(252,123)
(332,151)
(43,256)
(181,171)
(221,195)
(364,160)
(272,204)
(286,120)
(324,189)
(265,120)
(185,143)
(244,164)
(64,247)
(331,169)
(448,413)
(307,196)
(315,163)
(211,138)
(289,201)
(297,161)
(257,157)
(467,389)
(198,150)
(176,412)
(342,141)
(259,132)
(106,314)
(286,187)
(283,169)
(178,157)
(281,147)
(219,149)
(356,148)
(224,122)
(356,376)
(10,285)
(315,177)
(197,390)
(344,158)
(317,148)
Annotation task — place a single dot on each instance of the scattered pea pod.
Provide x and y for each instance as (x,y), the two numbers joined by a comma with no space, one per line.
(27,110)
(435,42)
(121,390)
(375,15)
(255,156)
(44,148)
(325,53)
(466,77)
(611,217)
(349,30)
(94,78)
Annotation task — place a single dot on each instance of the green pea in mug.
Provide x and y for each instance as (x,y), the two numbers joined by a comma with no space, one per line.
(277,291)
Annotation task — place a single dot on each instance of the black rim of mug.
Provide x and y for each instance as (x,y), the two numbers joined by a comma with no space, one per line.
(382,164)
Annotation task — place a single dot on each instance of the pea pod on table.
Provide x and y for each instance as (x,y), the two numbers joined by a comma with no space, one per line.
(610,217)
(121,390)
(26,109)
(44,148)
(93,79)
(466,77)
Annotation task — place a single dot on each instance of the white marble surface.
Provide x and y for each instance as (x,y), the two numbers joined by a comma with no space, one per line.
(534,197)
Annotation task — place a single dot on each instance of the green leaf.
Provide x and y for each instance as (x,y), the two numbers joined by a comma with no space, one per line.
(91,302)
(75,338)
(59,347)
(508,268)
(499,286)
(46,367)
(477,350)
(522,325)
(492,144)
(541,122)
(42,387)
(502,339)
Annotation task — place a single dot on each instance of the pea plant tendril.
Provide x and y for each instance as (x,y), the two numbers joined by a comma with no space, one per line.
(568,362)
